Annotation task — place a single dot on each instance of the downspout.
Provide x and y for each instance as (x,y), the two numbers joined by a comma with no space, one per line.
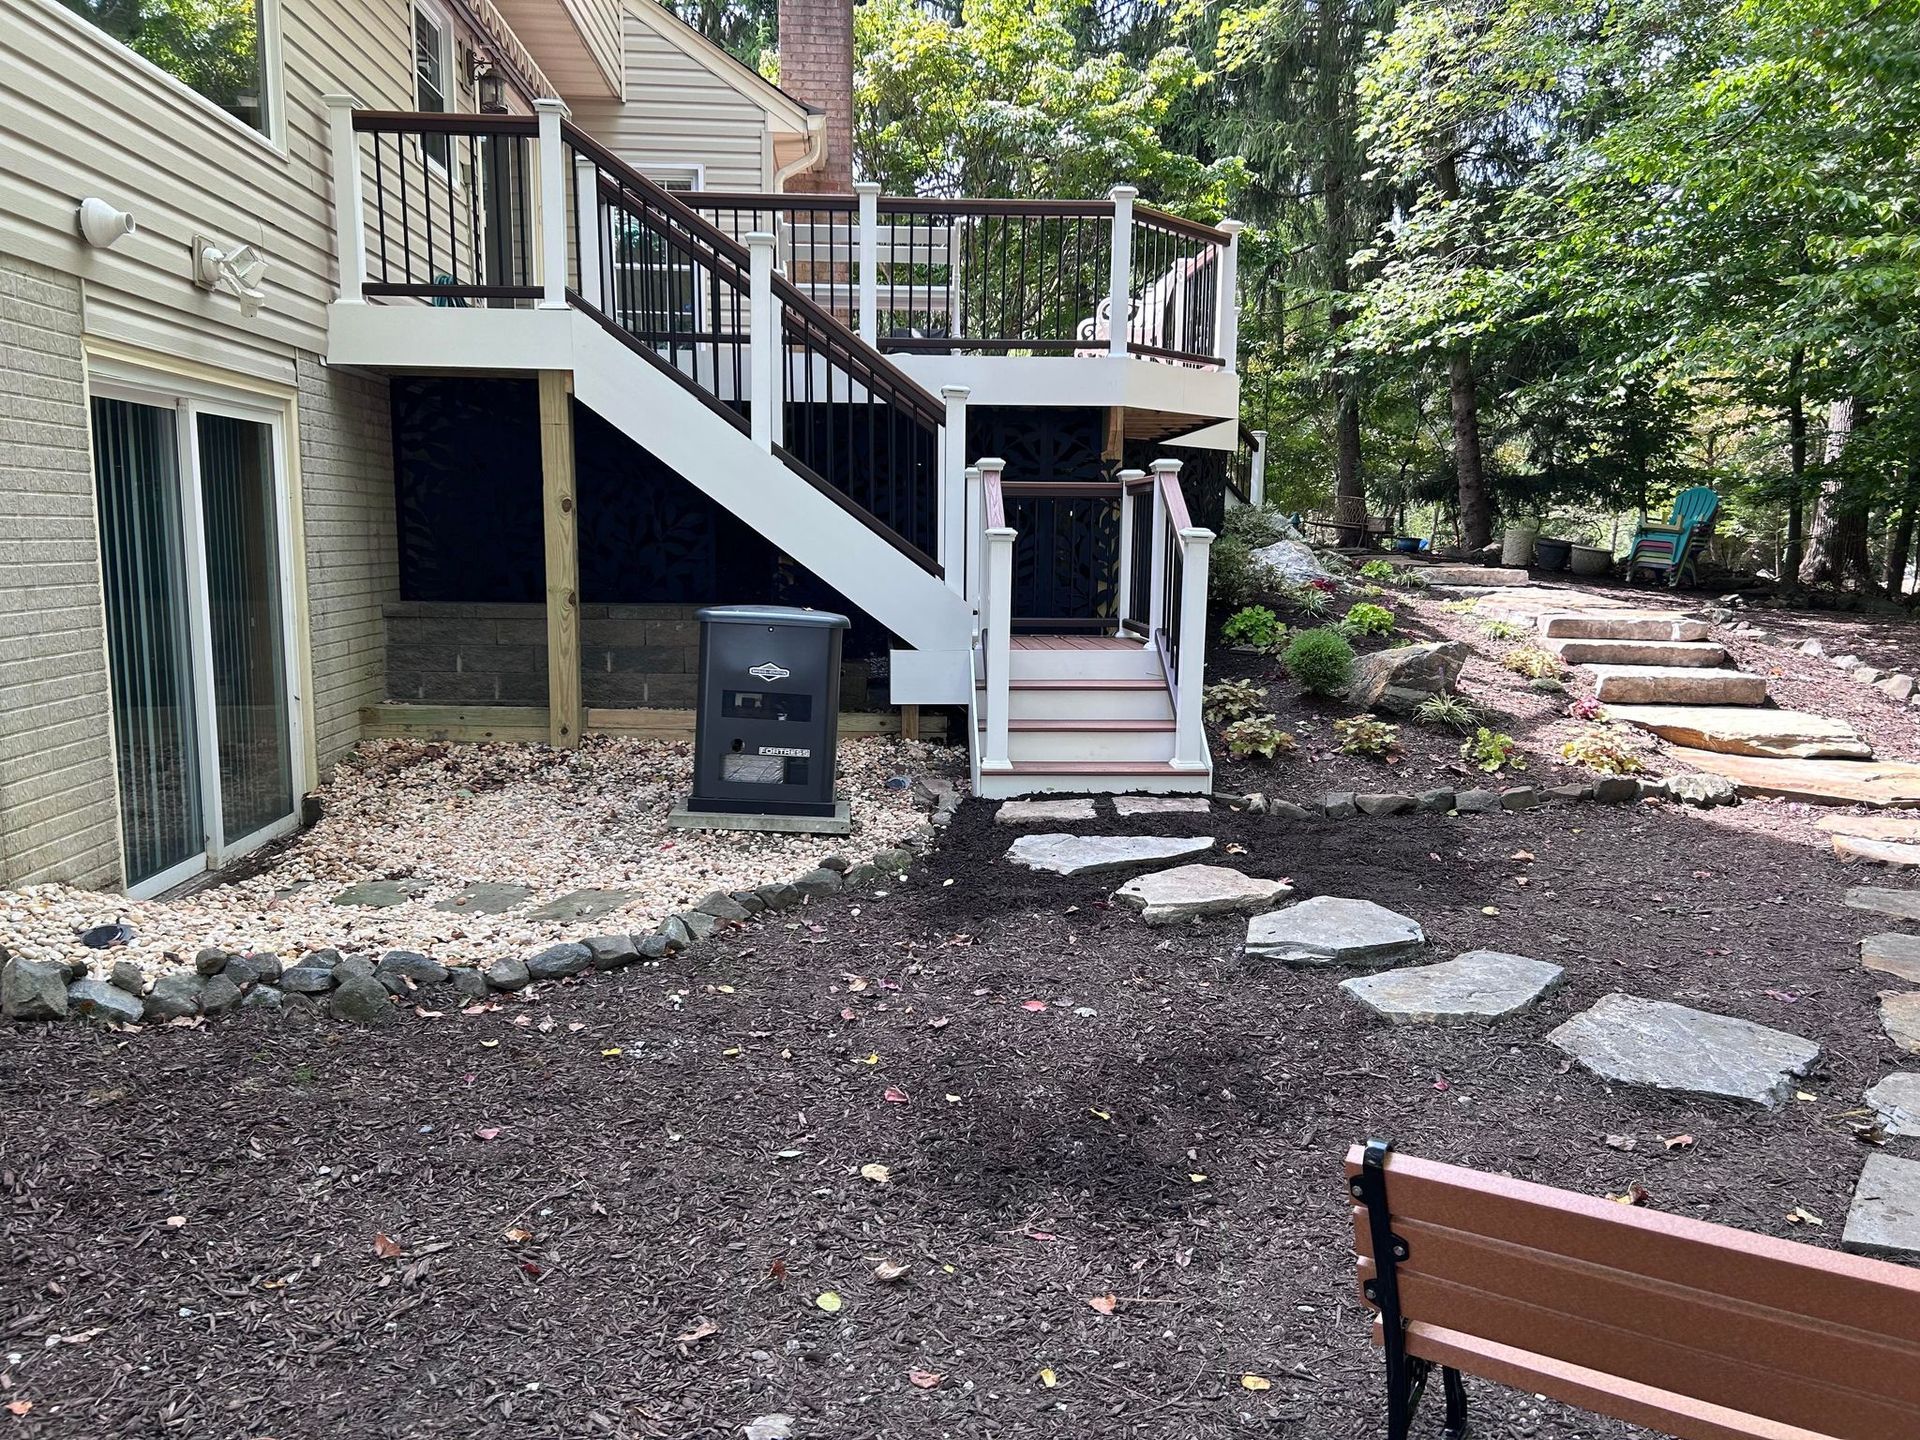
(816,151)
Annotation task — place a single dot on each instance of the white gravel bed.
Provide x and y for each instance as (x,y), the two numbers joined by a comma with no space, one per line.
(446,816)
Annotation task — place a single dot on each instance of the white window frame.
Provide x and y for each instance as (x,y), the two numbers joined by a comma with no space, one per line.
(189,399)
(442,22)
(694,171)
(272,73)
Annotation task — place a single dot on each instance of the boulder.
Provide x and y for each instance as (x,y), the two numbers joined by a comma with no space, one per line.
(264,997)
(362,1000)
(1702,791)
(559,960)
(129,977)
(102,1003)
(33,989)
(307,980)
(467,982)
(210,962)
(241,971)
(508,974)
(610,952)
(1397,680)
(174,996)
(352,967)
(817,884)
(220,996)
(397,967)
(1289,562)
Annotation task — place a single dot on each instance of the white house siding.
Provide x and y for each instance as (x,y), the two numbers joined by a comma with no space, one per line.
(678,113)
(57,808)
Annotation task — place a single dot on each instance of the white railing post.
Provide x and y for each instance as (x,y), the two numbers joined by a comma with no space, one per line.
(1157,571)
(1257,486)
(1189,739)
(553,205)
(1226,330)
(953,487)
(1120,271)
(869,259)
(586,204)
(976,526)
(762,350)
(349,223)
(1124,599)
(999,597)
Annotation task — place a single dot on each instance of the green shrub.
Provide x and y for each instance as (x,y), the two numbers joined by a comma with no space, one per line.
(1379,570)
(1232,578)
(1368,737)
(1370,619)
(1504,630)
(1603,752)
(1256,735)
(1407,578)
(1493,751)
(1255,527)
(1532,662)
(1231,700)
(1255,625)
(1320,660)
(1449,710)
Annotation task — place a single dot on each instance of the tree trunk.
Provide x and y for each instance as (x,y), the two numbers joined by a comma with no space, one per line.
(1463,398)
(1797,462)
(1836,550)
(1900,545)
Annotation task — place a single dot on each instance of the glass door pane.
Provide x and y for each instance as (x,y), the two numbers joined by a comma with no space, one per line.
(241,527)
(143,559)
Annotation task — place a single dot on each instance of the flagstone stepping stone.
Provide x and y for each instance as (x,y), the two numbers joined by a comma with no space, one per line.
(1884,1218)
(486,899)
(1748,730)
(582,905)
(1333,930)
(1671,1047)
(1885,784)
(1900,1018)
(1471,989)
(1900,827)
(1878,852)
(1688,653)
(1101,854)
(1675,685)
(1623,625)
(1036,812)
(1896,904)
(1477,577)
(1127,806)
(1896,1100)
(378,894)
(1188,892)
(1892,954)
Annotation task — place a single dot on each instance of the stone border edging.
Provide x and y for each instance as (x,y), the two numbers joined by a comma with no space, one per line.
(361,990)
(1700,791)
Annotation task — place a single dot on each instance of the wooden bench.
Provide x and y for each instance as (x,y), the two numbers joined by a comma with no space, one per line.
(1688,1329)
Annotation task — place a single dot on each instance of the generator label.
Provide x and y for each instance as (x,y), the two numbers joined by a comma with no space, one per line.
(791,752)
(770,672)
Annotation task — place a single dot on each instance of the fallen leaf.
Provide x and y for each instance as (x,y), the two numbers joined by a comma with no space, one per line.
(1621,1142)
(873,1059)
(888,1271)
(386,1247)
(1255,1382)
(702,1328)
(487,1132)
(849,1013)
(517,1235)
(894,1097)
(1036,1006)
(925,1379)
(1799,1215)
(1677,1142)
(1049,1379)
(19,1407)
(489,1044)
(878,1174)
(1103,1303)
(176,1222)
(1634,1194)
(828,1301)
(939,1023)
(1804,1096)
(615,1050)
(1521,855)
(1489,909)
(1100,1114)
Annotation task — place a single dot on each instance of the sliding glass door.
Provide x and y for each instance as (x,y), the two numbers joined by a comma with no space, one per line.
(193,535)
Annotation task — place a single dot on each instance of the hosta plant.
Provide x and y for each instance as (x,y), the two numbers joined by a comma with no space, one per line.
(1256,626)
(1365,619)
(1259,735)
(1379,571)
(1231,700)
(1492,751)
(1365,736)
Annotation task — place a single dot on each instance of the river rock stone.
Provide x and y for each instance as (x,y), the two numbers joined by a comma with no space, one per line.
(1043,812)
(1102,854)
(653,947)
(1397,680)
(264,997)
(266,966)
(241,971)
(362,1000)
(33,990)
(723,907)
(1190,892)
(210,962)
(610,952)
(559,960)
(508,973)
(675,934)
(817,884)
(1384,804)
(1519,797)
(1434,802)
(1128,806)
(129,977)
(1339,805)
(1884,1218)
(893,861)
(221,996)
(396,967)
(1897,1101)
(1476,802)
(1671,1047)
(174,995)
(1334,930)
(1471,989)
(306,980)
(698,926)
(468,983)
(779,897)
(352,967)
(102,1003)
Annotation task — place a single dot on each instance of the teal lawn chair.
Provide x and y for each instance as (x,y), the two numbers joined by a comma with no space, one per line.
(1674,548)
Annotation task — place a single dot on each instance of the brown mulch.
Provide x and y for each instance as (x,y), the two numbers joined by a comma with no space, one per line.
(198,1211)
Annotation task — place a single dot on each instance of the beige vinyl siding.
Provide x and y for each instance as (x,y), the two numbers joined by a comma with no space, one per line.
(678,112)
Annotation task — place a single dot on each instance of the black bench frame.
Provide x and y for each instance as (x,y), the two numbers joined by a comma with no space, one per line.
(1407,1375)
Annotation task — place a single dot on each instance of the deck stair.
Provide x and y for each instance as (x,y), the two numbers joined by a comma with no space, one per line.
(1080,706)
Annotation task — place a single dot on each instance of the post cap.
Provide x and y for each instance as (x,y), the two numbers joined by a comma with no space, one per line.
(552,105)
(1232,227)
(340,101)
(866,187)
(756,239)
(955,392)
(991,462)
(1166,467)
(1124,192)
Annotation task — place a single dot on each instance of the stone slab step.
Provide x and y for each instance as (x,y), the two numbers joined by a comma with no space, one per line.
(1676,685)
(1882,784)
(1877,900)
(1878,852)
(1062,854)
(1748,730)
(1904,828)
(1475,576)
(1884,1217)
(1633,1041)
(1689,653)
(1622,625)
(1892,953)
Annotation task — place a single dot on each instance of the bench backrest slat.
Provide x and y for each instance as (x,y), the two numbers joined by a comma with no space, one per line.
(1806,1337)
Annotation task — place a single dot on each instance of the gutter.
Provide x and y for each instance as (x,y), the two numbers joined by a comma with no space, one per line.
(815,153)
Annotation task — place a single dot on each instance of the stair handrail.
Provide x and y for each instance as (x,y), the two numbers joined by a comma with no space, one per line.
(996,600)
(1178,628)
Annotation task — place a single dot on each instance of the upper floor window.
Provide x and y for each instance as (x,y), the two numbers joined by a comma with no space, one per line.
(432,63)
(216,47)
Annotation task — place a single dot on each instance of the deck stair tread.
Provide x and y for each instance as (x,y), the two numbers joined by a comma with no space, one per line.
(1070,724)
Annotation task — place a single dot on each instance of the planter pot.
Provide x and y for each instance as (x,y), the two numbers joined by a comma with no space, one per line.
(1553,554)
(1592,559)
(1516,545)
(1408,544)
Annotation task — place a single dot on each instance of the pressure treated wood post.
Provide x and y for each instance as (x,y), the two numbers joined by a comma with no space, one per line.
(560,522)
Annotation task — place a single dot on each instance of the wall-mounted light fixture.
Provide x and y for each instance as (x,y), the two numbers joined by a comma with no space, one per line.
(101,224)
(488,84)
(235,270)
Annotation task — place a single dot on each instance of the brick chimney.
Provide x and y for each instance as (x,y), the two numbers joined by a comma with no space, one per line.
(816,65)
